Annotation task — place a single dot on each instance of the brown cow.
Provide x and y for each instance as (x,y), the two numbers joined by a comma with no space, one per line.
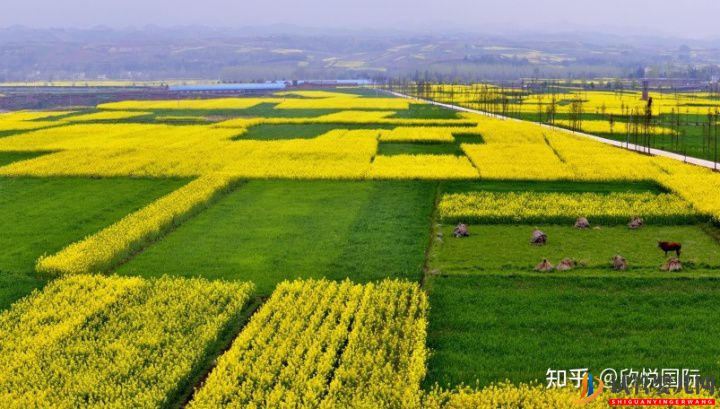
(668,246)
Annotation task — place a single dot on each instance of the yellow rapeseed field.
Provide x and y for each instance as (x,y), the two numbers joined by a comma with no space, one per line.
(10,125)
(93,341)
(496,131)
(419,134)
(18,116)
(28,120)
(517,162)
(541,207)
(590,160)
(603,126)
(348,116)
(328,345)
(422,167)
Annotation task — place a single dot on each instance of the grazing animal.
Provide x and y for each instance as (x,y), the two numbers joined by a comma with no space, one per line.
(668,246)
(461,230)
(565,264)
(636,223)
(619,263)
(582,223)
(544,266)
(538,238)
(673,264)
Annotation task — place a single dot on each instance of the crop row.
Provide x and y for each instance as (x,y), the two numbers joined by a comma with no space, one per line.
(94,341)
(422,167)
(534,207)
(101,251)
(326,344)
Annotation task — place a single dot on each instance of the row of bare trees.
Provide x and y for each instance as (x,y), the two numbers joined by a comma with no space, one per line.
(540,101)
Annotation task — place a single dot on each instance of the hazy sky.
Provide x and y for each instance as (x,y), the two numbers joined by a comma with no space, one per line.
(683,18)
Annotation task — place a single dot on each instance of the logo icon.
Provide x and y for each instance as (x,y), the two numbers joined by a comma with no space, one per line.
(588,391)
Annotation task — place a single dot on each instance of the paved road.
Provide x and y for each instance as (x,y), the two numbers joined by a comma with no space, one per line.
(658,152)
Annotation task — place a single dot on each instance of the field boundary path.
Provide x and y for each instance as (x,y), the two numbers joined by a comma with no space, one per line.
(625,145)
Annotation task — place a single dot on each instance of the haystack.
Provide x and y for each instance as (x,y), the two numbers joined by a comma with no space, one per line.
(538,238)
(619,263)
(673,264)
(565,264)
(636,223)
(461,230)
(582,223)
(544,266)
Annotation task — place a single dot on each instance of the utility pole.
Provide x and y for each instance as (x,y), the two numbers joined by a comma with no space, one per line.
(715,126)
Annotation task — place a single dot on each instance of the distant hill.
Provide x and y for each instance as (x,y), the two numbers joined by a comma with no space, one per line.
(289,52)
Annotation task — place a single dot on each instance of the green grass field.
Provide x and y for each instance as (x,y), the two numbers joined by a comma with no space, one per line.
(507,247)
(14,286)
(267,232)
(266,110)
(492,318)
(402,148)
(298,131)
(40,216)
(490,328)
(411,148)
(10,157)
